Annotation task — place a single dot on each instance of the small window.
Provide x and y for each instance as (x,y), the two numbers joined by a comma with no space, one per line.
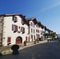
(31,36)
(14,28)
(19,29)
(22,30)
(9,39)
(37,30)
(41,33)
(31,24)
(31,30)
(22,22)
(26,38)
(14,19)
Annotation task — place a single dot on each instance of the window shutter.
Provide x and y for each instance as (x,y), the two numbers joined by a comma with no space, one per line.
(31,36)
(26,38)
(16,28)
(31,30)
(9,39)
(14,19)
(24,30)
(12,27)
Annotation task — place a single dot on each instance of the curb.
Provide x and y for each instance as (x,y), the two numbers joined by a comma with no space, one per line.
(32,44)
(9,51)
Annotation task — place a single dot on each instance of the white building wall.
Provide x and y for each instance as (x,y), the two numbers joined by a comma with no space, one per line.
(32,33)
(40,33)
(7,30)
(46,31)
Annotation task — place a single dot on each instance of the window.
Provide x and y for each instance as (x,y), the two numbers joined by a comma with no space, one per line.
(22,22)
(37,36)
(34,36)
(31,24)
(31,30)
(19,29)
(14,19)
(31,36)
(9,39)
(26,38)
(41,33)
(14,28)
(22,30)
(37,30)
(37,25)
(28,30)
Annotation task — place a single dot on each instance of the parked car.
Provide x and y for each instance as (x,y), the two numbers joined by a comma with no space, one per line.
(49,39)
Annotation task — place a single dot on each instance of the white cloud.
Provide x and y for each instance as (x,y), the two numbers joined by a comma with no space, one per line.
(52,5)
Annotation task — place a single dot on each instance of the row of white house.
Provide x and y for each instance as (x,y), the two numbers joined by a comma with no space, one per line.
(16,28)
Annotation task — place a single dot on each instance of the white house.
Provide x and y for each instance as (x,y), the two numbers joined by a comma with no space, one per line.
(32,23)
(42,31)
(13,29)
(36,30)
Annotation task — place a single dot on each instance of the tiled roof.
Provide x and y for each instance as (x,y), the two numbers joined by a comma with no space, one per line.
(10,14)
(26,20)
(32,19)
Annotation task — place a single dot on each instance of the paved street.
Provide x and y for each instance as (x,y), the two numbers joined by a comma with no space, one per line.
(40,51)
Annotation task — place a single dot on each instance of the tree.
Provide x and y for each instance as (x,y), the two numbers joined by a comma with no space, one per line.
(53,35)
(47,35)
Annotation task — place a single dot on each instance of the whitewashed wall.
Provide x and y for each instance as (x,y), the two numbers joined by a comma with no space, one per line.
(7,32)
(31,33)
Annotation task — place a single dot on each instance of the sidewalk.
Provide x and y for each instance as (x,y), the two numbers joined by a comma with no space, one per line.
(32,44)
(9,51)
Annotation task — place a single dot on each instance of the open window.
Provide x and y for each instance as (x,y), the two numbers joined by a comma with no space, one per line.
(22,22)
(14,28)
(23,30)
(14,19)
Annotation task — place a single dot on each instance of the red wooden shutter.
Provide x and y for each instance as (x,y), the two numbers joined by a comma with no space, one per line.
(12,27)
(16,28)
(31,30)
(24,30)
(26,38)
(9,39)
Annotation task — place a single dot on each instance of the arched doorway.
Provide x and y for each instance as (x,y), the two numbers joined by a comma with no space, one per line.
(19,40)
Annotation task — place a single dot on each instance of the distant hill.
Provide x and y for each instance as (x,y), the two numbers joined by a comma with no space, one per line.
(58,35)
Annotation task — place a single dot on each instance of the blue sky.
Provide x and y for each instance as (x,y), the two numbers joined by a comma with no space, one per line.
(45,11)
